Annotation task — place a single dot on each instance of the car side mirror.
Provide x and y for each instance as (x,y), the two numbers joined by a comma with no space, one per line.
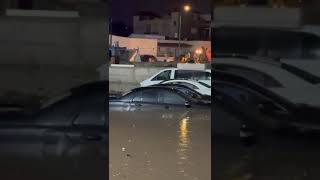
(187,104)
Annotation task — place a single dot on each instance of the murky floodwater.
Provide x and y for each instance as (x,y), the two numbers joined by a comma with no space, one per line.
(159,145)
(274,157)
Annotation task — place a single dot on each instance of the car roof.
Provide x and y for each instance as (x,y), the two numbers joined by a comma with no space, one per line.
(152,87)
(208,70)
(175,85)
(182,80)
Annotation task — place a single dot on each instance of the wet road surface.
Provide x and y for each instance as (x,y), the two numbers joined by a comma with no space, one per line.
(160,145)
(274,157)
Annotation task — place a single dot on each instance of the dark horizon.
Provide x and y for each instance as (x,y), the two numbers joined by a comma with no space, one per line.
(121,13)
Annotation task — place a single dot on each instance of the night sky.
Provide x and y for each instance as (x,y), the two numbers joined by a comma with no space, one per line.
(123,10)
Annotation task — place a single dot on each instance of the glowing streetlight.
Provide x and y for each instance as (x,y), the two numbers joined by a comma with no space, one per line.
(186,8)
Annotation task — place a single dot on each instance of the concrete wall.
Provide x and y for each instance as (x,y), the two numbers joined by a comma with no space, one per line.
(42,55)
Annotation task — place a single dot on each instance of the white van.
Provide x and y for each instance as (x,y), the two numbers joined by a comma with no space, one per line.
(175,73)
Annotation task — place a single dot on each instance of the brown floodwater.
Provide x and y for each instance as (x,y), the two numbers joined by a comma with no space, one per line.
(157,145)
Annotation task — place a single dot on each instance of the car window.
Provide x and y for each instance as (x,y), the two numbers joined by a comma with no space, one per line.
(191,74)
(92,110)
(165,75)
(66,110)
(245,96)
(93,114)
(201,75)
(192,94)
(147,96)
(170,97)
(252,75)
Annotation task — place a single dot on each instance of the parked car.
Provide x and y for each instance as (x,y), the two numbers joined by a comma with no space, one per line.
(261,107)
(198,86)
(68,135)
(155,98)
(274,76)
(175,73)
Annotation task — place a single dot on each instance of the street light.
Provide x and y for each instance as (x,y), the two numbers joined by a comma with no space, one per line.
(186,8)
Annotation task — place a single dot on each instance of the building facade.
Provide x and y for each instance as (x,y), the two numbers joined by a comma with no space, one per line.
(194,25)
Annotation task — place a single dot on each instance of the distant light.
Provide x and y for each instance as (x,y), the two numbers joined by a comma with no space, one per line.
(187,8)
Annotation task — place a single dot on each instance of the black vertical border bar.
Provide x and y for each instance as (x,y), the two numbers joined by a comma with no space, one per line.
(212,91)
(108,9)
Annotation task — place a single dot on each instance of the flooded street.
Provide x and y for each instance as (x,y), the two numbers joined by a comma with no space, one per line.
(274,157)
(159,145)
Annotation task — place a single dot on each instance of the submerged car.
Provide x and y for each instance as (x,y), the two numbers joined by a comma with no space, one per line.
(69,134)
(155,98)
(261,107)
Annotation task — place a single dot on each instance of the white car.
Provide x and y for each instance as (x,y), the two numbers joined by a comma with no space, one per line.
(175,73)
(198,86)
(274,77)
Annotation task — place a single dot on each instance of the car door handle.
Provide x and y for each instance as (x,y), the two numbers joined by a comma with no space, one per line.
(91,137)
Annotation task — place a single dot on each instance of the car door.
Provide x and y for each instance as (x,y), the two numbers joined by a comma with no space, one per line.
(20,148)
(250,104)
(23,141)
(123,104)
(88,139)
(146,100)
(80,146)
(173,104)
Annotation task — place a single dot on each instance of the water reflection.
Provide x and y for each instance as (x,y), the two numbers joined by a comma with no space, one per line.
(183,144)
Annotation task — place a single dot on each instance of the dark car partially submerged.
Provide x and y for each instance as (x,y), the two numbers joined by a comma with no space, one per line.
(68,134)
(155,97)
(262,108)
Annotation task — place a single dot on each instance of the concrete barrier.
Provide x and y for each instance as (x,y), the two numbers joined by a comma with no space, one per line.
(124,78)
